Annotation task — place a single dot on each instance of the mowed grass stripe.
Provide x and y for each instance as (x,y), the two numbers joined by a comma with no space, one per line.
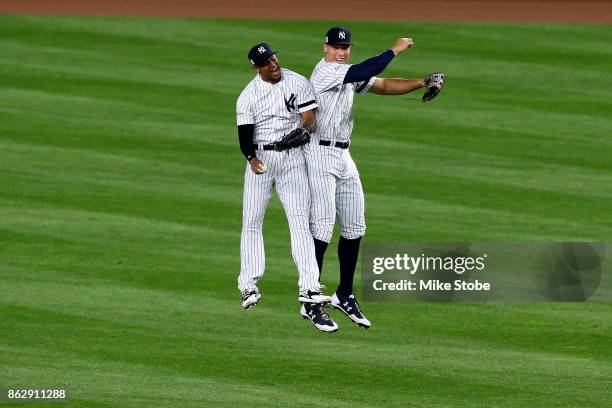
(427,357)
(131,305)
(104,179)
(422,360)
(385,355)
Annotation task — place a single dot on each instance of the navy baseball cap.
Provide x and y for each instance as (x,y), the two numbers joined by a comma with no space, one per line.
(338,36)
(260,54)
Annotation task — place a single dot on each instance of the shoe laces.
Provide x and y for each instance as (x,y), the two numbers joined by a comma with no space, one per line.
(324,313)
(248,292)
(356,304)
(320,310)
(352,303)
(310,293)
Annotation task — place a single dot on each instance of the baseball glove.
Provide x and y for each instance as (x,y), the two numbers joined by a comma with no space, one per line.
(298,137)
(433,84)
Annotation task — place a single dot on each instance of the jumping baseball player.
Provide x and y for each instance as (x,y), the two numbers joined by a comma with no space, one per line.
(275,116)
(334,179)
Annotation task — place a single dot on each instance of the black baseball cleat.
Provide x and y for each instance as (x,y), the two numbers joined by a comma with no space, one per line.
(250,297)
(350,307)
(312,296)
(319,317)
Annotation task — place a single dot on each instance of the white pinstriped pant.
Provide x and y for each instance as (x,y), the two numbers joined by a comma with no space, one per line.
(336,189)
(286,171)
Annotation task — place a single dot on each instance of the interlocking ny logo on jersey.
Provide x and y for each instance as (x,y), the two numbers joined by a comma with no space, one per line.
(261,50)
(290,104)
(342,35)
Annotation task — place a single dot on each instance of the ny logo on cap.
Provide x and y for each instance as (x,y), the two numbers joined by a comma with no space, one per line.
(261,50)
(342,35)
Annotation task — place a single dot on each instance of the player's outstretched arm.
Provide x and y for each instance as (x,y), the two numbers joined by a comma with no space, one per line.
(396,86)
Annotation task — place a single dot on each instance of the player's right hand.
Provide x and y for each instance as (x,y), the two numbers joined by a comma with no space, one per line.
(402,44)
(257,166)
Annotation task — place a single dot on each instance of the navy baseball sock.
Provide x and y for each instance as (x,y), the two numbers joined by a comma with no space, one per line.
(348,252)
(320,248)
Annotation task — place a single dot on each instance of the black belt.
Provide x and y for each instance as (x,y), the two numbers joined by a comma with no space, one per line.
(341,145)
(264,147)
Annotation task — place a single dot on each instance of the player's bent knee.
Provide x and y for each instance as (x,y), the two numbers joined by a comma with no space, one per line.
(252,225)
(251,229)
(322,232)
(353,232)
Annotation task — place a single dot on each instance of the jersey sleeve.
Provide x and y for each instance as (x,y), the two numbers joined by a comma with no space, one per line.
(364,86)
(244,111)
(330,76)
(306,97)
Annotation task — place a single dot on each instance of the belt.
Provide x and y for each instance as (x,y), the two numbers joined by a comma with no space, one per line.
(340,145)
(264,147)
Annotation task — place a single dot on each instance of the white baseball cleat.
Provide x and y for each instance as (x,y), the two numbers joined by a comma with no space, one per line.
(312,296)
(319,317)
(250,297)
(350,307)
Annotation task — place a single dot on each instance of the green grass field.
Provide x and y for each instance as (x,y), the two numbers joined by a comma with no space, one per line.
(120,215)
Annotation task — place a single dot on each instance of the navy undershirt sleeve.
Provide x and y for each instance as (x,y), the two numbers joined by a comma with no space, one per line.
(245,135)
(368,68)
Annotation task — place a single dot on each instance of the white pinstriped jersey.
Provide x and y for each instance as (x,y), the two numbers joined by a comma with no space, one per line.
(274,109)
(335,99)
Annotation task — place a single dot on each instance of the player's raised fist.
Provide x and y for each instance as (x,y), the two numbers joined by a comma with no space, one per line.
(402,44)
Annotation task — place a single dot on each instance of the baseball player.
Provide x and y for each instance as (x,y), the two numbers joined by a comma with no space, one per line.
(276,106)
(334,179)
